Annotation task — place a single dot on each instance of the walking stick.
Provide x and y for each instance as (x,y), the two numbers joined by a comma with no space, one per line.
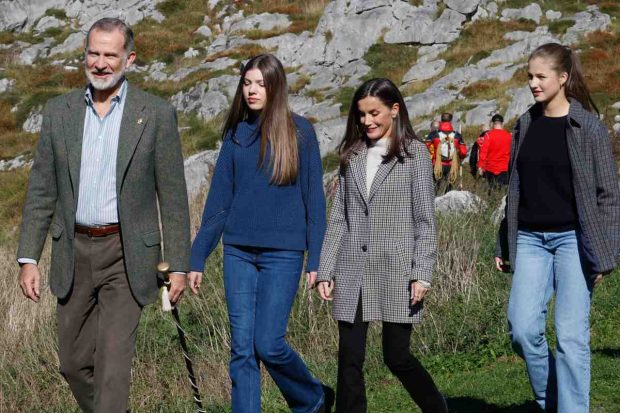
(163,267)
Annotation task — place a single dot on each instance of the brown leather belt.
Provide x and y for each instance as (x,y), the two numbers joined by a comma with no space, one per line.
(101,231)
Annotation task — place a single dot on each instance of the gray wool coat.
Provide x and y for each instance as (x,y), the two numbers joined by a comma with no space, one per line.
(595,182)
(376,245)
(149,174)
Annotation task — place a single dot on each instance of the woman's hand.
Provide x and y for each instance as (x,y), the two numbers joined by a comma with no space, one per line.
(310,279)
(598,279)
(501,265)
(325,289)
(195,279)
(417,292)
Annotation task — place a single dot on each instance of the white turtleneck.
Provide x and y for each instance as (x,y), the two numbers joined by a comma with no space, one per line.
(376,150)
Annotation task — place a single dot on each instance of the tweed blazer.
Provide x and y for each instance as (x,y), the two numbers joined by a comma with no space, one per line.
(595,182)
(376,245)
(149,176)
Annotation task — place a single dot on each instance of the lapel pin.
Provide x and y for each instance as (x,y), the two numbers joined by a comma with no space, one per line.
(140,121)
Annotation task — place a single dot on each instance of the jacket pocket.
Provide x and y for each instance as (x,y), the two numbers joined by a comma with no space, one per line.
(56,231)
(152,238)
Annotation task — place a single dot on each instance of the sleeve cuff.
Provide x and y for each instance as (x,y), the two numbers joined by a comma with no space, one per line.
(26,261)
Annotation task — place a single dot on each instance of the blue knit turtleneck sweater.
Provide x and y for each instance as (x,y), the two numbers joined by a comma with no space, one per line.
(250,211)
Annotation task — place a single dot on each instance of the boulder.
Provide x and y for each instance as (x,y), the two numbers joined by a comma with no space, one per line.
(74,42)
(204,31)
(459,202)
(486,11)
(330,134)
(31,53)
(6,84)
(516,52)
(429,101)
(532,12)
(48,22)
(321,111)
(191,52)
(553,15)
(227,84)
(427,53)
(481,114)
(262,22)
(424,70)
(466,7)
(586,22)
(205,103)
(198,171)
(522,99)
(34,121)
(498,214)
(20,161)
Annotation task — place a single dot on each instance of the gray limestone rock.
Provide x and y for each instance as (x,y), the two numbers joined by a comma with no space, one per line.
(191,52)
(459,202)
(218,64)
(429,101)
(486,11)
(226,84)
(481,114)
(616,105)
(198,171)
(205,103)
(428,53)
(48,22)
(29,54)
(420,28)
(463,6)
(212,3)
(553,15)
(330,134)
(522,99)
(498,214)
(465,76)
(20,161)
(204,31)
(424,70)
(74,42)
(320,112)
(520,50)
(6,84)
(586,22)
(262,22)
(303,49)
(33,123)
(531,12)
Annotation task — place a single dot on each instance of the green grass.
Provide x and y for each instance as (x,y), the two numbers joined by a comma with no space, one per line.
(198,135)
(331,161)
(390,61)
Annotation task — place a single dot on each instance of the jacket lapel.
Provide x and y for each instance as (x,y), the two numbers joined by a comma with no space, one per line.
(384,170)
(73,124)
(132,125)
(358,170)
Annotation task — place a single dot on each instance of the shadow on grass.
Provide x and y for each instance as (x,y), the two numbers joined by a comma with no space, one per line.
(608,352)
(472,405)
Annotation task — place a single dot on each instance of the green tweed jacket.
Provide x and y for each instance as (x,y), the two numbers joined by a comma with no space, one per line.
(149,174)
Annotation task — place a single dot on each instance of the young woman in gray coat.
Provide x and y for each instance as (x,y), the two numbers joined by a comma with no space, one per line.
(562,227)
(380,246)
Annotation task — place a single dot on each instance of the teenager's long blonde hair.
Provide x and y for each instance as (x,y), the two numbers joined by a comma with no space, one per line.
(277,129)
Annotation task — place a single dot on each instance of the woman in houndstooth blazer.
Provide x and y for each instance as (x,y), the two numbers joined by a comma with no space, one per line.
(379,249)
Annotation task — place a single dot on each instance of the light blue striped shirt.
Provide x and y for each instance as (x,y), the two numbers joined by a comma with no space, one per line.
(97,196)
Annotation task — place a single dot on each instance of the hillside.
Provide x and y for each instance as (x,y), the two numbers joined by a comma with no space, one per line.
(464,56)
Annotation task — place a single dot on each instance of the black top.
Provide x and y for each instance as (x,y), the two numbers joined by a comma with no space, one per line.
(546,194)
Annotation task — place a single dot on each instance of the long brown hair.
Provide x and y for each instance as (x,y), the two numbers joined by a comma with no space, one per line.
(275,120)
(355,135)
(565,59)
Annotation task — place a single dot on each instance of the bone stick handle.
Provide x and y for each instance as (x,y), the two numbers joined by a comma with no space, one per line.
(163,268)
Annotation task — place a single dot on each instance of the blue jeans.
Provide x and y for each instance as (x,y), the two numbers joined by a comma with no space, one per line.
(549,262)
(260,286)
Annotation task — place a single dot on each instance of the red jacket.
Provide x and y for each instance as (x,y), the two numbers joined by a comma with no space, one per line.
(432,143)
(495,152)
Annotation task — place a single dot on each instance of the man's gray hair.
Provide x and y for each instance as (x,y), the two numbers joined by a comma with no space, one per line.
(109,24)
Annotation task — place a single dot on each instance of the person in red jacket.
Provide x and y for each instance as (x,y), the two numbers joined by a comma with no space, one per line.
(448,149)
(495,153)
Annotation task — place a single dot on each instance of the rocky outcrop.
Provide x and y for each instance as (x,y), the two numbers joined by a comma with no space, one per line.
(532,12)
(459,202)
(198,171)
(34,121)
(424,71)
(206,103)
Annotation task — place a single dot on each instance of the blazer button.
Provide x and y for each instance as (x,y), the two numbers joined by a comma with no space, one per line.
(366,212)
(364,248)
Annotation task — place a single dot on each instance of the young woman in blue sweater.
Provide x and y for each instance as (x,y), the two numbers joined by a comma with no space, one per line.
(266,199)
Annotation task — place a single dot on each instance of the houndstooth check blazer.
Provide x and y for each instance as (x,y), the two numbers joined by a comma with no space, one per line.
(376,245)
(595,181)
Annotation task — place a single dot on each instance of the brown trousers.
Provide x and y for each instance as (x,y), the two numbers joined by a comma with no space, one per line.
(97,325)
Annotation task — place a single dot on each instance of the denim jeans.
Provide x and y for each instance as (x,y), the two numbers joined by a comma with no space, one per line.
(549,262)
(260,286)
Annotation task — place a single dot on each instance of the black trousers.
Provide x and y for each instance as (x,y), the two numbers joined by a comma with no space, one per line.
(496,181)
(351,390)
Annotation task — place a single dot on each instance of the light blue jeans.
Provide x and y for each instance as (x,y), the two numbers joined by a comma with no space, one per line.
(549,262)
(260,286)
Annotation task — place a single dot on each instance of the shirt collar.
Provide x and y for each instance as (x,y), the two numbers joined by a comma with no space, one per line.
(118,98)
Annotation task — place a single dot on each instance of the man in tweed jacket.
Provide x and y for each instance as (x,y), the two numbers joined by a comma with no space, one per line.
(108,163)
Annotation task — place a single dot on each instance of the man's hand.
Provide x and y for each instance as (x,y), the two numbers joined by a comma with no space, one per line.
(325,289)
(598,279)
(417,293)
(194,279)
(178,282)
(30,281)
(310,279)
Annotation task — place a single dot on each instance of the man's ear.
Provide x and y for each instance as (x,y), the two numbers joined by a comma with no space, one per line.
(130,59)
